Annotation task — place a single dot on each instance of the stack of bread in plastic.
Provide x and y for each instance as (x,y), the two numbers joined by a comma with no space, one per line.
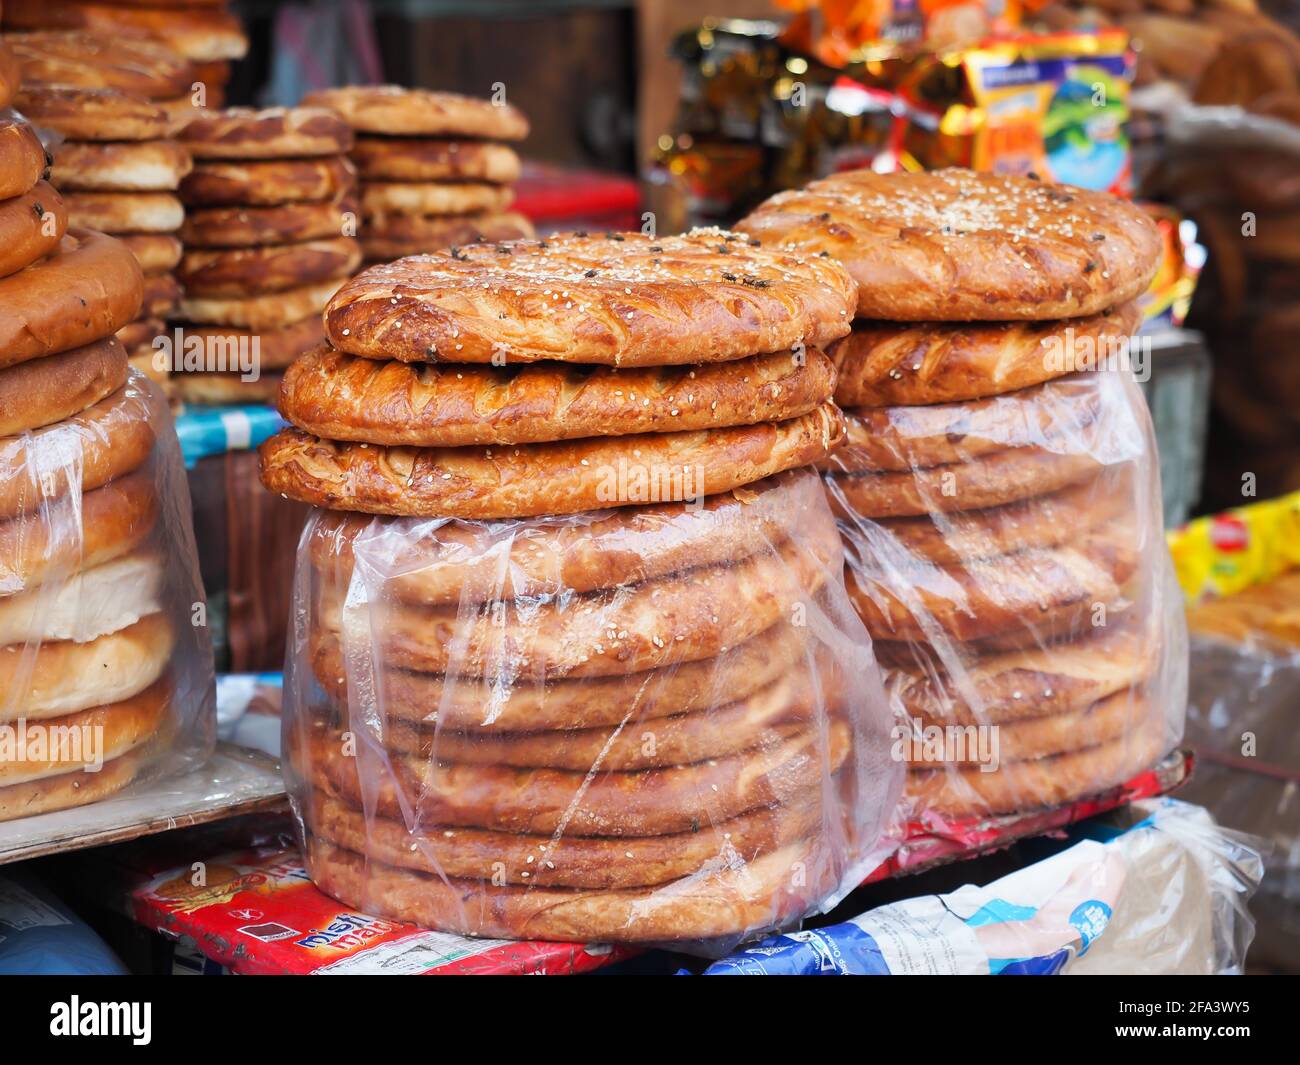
(105,668)
(434,171)
(110,112)
(999,492)
(597,678)
(269,236)
(205,32)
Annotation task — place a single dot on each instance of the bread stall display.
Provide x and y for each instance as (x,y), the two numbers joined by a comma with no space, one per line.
(105,678)
(572,657)
(434,169)
(998,491)
(269,236)
(110,113)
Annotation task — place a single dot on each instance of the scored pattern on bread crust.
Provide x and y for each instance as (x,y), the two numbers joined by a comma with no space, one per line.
(884,364)
(621,299)
(524,480)
(342,397)
(954,245)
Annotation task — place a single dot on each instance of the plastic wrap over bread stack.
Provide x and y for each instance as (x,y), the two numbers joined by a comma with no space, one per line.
(434,170)
(590,672)
(105,668)
(110,112)
(998,492)
(270,234)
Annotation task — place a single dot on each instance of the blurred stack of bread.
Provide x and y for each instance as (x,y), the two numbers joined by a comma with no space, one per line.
(269,236)
(205,32)
(434,173)
(110,112)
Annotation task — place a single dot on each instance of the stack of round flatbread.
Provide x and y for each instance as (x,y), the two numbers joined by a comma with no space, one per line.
(435,171)
(269,235)
(85,644)
(113,117)
(204,32)
(607,701)
(997,491)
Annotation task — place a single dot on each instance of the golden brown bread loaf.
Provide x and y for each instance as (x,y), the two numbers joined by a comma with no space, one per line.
(883,364)
(62,677)
(428,159)
(382,198)
(570,861)
(267,182)
(531,479)
(772,889)
(770,717)
(249,227)
(617,300)
(162,295)
(246,272)
(267,311)
(955,245)
(343,397)
(271,133)
(143,166)
(1039,782)
(276,348)
(989,597)
(118,727)
(10,75)
(141,333)
(660,623)
(567,704)
(394,236)
(639,803)
(156,252)
(103,442)
(461,563)
(218,389)
(991,480)
(1017,685)
(198,33)
(1105,721)
(96,114)
(394,110)
(31,226)
(67,790)
(115,520)
(110,61)
(23,160)
(1043,521)
(126,212)
(43,391)
(1065,415)
(88,288)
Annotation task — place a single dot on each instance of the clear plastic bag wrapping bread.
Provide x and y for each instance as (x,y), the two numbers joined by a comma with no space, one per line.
(653,724)
(1007,557)
(102,613)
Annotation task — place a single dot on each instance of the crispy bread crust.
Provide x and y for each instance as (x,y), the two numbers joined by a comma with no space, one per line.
(532,479)
(342,397)
(251,227)
(226,273)
(431,159)
(271,133)
(616,300)
(88,288)
(954,245)
(882,364)
(31,226)
(43,391)
(267,182)
(392,109)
